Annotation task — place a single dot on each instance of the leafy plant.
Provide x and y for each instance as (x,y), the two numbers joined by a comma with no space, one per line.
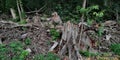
(22,22)
(27,41)
(100,30)
(16,46)
(23,54)
(115,48)
(3,51)
(87,53)
(49,56)
(14,49)
(55,34)
(39,57)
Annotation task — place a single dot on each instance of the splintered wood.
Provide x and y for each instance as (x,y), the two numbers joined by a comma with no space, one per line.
(73,40)
(69,42)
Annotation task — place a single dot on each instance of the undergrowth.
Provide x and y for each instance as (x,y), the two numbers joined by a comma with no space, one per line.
(13,51)
(54,34)
(115,48)
(48,56)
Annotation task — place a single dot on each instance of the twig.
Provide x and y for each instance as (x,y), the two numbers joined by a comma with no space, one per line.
(15,24)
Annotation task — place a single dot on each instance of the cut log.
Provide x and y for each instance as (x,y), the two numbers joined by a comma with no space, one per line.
(13,13)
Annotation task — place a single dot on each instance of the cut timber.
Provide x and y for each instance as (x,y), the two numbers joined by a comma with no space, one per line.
(37,21)
(69,36)
(53,47)
(13,13)
(56,18)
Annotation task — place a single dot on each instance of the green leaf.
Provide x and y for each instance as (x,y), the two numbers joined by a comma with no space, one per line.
(27,41)
(23,54)
(83,10)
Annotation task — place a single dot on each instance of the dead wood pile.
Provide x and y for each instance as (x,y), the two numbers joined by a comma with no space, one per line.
(72,42)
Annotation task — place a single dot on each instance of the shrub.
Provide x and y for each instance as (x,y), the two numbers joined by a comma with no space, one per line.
(115,48)
(27,41)
(49,56)
(55,34)
(14,50)
(87,53)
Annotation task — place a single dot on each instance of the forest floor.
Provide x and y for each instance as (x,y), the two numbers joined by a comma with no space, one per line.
(38,43)
(37,40)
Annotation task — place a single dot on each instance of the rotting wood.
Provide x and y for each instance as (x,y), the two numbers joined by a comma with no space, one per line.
(70,34)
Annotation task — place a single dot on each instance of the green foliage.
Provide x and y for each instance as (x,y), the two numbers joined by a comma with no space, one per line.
(87,53)
(22,22)
(66,9)
(23,15)
(27,41)
(89,22)
(16,46)
(39,57)
(23,55)
(115,48)
(10,4)
(55,34)
(49,56)
(93,13)
(83,10)
(14,49)
(3,51)
(100,30)
(15,20)
(3,48)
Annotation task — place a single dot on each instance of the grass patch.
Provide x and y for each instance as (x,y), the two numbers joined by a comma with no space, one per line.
(54,34)
(115,48)
(48,56)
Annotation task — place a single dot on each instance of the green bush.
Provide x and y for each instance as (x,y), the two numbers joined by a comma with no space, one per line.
(49,56)
(87,53)
(14,49)
(39,57)
(27,41)
(115,48)
(3,51)
(55,34)
(22,22)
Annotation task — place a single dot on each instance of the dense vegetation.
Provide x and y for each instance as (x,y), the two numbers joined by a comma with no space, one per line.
(95,11)
(69,10)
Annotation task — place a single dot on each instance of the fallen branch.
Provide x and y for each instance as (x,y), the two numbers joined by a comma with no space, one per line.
(54,45)
(13,24)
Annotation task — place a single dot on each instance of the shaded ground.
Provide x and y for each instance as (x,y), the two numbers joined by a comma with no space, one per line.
(38,36)
(40,39)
